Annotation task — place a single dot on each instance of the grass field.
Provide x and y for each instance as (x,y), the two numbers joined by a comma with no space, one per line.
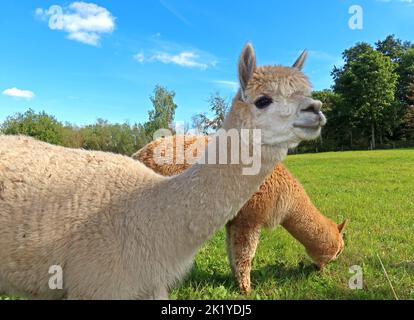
(374,190)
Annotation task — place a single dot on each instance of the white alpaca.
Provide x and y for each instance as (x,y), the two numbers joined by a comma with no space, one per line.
(117,229)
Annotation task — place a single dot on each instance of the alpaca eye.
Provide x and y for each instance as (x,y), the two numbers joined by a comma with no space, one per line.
(263,102)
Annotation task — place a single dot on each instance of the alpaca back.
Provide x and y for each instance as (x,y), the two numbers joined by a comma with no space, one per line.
(63,207)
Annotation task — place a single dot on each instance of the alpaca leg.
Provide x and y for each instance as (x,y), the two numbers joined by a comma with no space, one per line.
(230,229)
(242,246)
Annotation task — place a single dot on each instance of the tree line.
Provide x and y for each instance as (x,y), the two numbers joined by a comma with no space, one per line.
(371,103)
(369,106)
(123,138)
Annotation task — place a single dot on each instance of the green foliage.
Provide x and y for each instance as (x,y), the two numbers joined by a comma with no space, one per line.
(367,85)
(328,98)
(162,115)
(103,136)
(391,47)
(117,138)
(218,108)
(405,71)
(409,123)
(335,133)
(369,104)
(38,125)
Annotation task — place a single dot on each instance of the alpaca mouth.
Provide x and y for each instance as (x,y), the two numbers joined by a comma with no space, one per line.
(312,124)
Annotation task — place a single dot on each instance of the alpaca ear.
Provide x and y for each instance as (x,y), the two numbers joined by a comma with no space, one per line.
(247,66)
(342,226)
(301,60)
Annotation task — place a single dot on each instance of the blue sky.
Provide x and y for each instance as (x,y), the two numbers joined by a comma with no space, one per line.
(103,58)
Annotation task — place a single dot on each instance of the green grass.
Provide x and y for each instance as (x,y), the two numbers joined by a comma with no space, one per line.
(374,190)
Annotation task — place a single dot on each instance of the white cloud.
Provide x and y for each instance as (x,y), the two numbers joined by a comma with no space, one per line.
(40,13)
(85,37)
(231,85)
(186,59)
(140,57)
(156,49)
(84,22)
(17,93)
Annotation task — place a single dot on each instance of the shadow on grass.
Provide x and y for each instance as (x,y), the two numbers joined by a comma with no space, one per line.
(202,277)
(278,271)
(408,266)
(282,273)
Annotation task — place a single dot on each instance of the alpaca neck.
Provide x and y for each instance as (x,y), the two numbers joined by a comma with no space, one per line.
(213,195)
(208,195)
(306,224)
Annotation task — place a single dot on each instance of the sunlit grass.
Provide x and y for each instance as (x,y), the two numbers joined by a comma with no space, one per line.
(374,190)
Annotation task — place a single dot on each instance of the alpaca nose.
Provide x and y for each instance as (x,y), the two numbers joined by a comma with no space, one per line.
(314,106)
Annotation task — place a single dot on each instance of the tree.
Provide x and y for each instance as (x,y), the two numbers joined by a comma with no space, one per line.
(328,98)
(410,94)
(367,84)
(349,55)
(409,123)
(140,137)
(162,115)
(40,125)
(126,139)
(354,52)
(338,132)
(218,108)
(97,136)
(72,136)
(408,120)
(201,123)
(405,70)
(402,55)
(117,138)
(391,47)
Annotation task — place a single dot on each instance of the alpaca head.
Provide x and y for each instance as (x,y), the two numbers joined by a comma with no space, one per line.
(330,250)
(277,100)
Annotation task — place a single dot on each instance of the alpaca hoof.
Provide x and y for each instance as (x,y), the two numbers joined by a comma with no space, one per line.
(245,290)
(319,267)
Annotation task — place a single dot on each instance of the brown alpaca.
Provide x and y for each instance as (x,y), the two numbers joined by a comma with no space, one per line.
(280,200)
